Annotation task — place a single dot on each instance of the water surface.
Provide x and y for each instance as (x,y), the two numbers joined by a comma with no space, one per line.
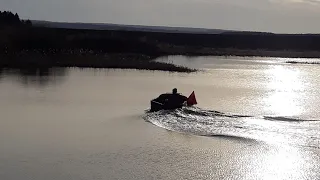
(257,118)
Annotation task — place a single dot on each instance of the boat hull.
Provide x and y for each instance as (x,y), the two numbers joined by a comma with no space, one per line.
(157,106)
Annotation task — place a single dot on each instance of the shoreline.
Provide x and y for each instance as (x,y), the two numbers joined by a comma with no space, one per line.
(189,51)
(89,59)
(56,47)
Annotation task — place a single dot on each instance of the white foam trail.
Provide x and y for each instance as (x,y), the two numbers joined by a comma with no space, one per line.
(202,122)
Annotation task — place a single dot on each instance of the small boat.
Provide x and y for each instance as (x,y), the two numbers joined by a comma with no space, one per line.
(172,101)
(157,106)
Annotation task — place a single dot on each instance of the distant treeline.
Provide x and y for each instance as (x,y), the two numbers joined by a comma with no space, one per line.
(8,18)
(160,43)
(55,40)
(24,46)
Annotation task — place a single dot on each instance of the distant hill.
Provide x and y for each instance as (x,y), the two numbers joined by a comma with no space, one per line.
(101,26)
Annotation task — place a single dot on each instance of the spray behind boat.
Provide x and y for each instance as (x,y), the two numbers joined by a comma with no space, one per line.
(172,100)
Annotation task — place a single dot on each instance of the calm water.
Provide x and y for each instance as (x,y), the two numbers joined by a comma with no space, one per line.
(257,118)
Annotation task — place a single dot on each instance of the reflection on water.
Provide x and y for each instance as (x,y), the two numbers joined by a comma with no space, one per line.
(280,163)
(286,92)
(35,76)
(1,74)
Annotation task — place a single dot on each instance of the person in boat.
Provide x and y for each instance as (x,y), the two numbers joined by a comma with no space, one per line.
(171,100)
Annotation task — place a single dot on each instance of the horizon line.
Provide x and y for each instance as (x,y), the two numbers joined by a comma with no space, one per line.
(182,27)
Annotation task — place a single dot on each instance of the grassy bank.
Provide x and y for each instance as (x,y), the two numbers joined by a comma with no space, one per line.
(82,58)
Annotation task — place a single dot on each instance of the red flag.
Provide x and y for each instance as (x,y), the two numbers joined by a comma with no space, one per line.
(192,99)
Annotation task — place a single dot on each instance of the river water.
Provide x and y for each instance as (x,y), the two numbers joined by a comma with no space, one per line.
(256,118)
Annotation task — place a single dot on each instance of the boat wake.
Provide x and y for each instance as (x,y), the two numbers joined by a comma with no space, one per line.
(197,121)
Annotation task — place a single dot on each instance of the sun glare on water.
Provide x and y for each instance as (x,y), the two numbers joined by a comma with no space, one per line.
(280,163)
(286,88)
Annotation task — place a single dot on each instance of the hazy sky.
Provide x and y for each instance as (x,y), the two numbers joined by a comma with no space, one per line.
(285,16)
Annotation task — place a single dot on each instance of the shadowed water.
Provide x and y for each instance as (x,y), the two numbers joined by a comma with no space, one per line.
(35,76)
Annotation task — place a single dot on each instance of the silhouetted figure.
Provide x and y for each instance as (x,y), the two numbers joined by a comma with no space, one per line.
(168,101)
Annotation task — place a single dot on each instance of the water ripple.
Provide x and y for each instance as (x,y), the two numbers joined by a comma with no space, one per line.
(194,120)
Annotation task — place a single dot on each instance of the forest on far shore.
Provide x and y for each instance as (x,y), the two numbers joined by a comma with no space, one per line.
(7,18)
(20,36)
